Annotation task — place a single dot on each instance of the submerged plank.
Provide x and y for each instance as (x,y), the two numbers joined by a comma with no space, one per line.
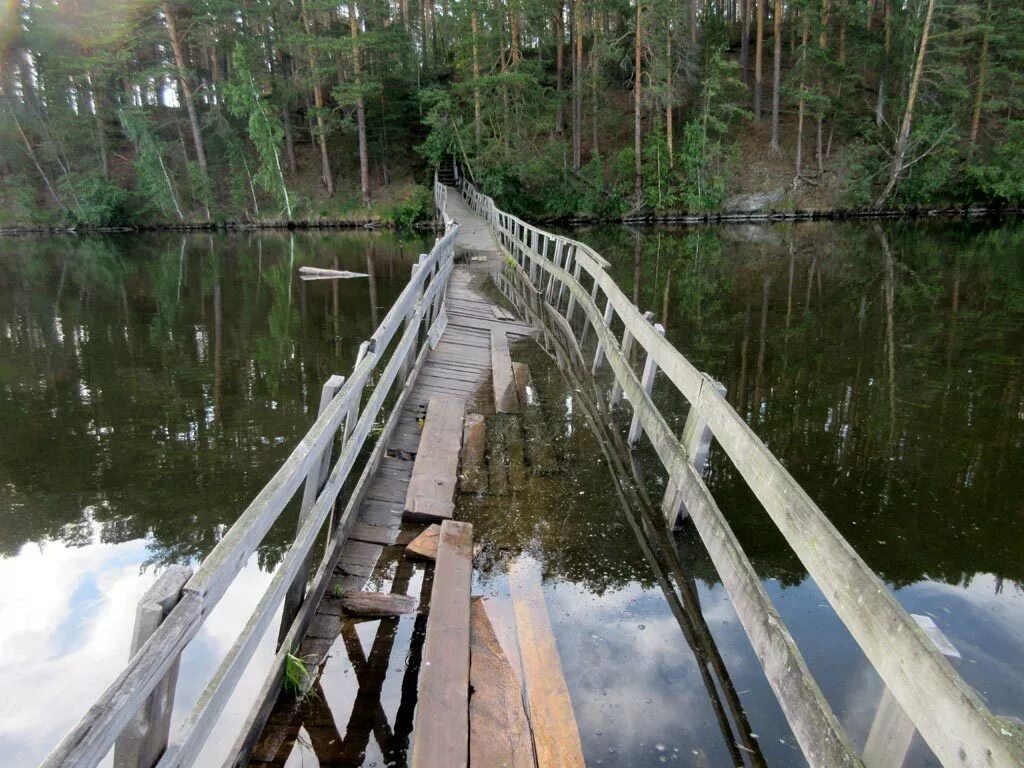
(538,442)
(474,468)
(499,732)
(424,546)
(431,491)
(556,736)
(377,604)
(442,710)
(506,399)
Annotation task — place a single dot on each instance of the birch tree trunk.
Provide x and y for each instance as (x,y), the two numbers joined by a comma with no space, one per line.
(899,154)
(800,109)
(638,181)
(559,25)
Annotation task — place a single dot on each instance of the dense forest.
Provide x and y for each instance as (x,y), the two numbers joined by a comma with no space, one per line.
(120,112)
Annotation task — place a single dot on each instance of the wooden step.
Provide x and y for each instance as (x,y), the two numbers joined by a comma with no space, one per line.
(499,731)
(556,736)
(506,399)
(431,492)
(474,466)
(442,708)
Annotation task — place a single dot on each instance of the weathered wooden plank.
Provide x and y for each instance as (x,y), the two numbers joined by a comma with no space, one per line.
(505,398)
(377,605)
(442,711)
(431,492)
(374,534)
(499,732)
(556,736)
(473,477)
(501,313)
(424,546)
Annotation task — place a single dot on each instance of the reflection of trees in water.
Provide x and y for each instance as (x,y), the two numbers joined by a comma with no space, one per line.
(890,385)
(149,386)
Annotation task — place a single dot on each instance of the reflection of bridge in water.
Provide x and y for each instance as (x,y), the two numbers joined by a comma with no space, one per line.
(483,683)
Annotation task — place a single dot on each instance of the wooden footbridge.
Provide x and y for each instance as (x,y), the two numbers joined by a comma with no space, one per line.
(376,479)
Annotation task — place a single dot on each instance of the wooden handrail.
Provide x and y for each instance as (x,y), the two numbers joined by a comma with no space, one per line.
(954,722)
(90,740)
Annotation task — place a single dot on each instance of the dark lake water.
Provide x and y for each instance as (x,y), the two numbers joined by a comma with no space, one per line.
(150,385)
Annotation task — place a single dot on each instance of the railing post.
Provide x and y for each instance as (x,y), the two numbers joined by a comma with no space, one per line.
(627,347)
(556,259)
(696,440)
(647,382)
(609,313)
(145,737)
(572,296)
(314,482)
(892,731)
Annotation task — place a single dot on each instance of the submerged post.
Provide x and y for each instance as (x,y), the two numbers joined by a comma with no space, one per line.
(145,737)
(696,440)
(892,731)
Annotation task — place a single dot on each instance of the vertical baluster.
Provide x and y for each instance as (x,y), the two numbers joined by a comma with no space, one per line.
(647,382)
(627,348)
(609,313)
(145,737)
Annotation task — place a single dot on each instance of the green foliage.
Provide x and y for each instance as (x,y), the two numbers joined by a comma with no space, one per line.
(414,209)
(998,177)
(154,174)
(265,130)
(100,203)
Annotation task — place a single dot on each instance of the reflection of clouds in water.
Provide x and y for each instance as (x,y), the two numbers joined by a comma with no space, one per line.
(636,687)
(66,619)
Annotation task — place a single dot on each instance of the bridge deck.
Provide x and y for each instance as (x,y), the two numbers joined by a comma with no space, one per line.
(374,558)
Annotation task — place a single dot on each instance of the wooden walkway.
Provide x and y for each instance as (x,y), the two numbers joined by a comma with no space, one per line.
(459,367)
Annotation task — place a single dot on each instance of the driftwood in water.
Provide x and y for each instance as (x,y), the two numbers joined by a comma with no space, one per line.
(316,273)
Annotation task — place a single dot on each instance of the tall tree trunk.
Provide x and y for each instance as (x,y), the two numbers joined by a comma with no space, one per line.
(758,57)
(318,102)
(357,72)
(594,77)
(577,89)
(669,139)
(800,109)
(745,41)
(899,154)
(289,141)
(880,102)
(823,46)
(514,24)
(476,81)
(638,180)
(979,94)
(693,21)
(560,67)
(186,91)
(99,110)
(776,73)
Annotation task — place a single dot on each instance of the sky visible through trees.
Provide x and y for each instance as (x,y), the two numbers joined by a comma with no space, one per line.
(170,111)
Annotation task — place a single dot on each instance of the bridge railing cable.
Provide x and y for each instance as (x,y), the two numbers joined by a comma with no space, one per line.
(134,711)
(560,276)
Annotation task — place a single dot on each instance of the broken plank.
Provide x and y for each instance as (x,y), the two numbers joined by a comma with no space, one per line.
(373,534)
(442,710)
(499,732)
(431,492)
(556,735)
(474,468)
(377,605)
(424,546)
(505,398)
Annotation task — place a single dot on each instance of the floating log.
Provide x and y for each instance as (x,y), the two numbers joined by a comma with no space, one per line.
(316,273)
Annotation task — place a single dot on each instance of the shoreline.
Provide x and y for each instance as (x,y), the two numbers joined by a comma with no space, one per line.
(686,219)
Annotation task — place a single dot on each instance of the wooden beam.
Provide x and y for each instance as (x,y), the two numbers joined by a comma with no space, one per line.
(499,731)
(377,605)
(435,474)
(505,400)
(556,736)
(442,710)
(424,546)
